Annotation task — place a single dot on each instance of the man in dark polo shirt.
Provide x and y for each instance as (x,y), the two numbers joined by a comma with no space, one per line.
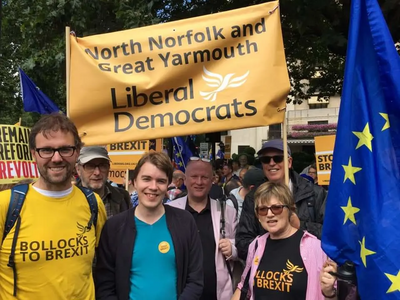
(218,251)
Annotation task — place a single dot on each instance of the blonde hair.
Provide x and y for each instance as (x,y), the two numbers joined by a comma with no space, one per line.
(268,190)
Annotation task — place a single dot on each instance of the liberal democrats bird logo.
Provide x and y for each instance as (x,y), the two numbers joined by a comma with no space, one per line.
(82,229)
(221,83)
(292,268)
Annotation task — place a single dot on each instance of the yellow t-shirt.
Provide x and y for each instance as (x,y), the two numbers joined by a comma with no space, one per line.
(54,251)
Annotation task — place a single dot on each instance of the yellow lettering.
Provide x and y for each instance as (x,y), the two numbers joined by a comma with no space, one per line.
(272,285)
(259,283)
(265,286)
(269,275)
(288,285)
(276,276)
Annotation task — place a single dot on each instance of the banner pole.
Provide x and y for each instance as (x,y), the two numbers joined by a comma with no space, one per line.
(285,149)
(127,179)
(67,63)
(20,121)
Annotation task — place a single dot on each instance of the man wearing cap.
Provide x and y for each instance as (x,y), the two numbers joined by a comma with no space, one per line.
(309,198)
(93,167)
(252,178)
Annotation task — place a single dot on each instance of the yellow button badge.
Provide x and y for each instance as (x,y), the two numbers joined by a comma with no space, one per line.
(163,247)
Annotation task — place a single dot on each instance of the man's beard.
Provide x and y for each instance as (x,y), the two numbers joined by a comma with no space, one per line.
(56,180)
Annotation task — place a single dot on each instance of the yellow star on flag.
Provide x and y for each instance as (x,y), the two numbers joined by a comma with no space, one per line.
(364,252)
(349,172)
(349,211)
(387,124)
(395,279)
(365,138)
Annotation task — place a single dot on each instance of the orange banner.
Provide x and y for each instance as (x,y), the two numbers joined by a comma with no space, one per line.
(212,73)
(323,156)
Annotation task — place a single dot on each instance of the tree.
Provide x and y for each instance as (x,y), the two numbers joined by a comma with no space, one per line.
(36,35)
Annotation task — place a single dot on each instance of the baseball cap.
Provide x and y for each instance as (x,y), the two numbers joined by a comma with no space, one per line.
(273,144)
(253,176)
(89,153)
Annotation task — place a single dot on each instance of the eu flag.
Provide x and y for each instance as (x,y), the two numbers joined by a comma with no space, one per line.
(362,217)
(182,153)
(34,99)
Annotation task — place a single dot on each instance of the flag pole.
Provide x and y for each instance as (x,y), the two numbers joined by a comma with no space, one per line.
(285,148)
(67,63)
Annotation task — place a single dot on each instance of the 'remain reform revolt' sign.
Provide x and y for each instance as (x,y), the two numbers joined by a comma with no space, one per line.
(211,73)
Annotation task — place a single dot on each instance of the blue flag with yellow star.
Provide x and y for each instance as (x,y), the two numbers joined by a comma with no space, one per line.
(182,153)
(362,217)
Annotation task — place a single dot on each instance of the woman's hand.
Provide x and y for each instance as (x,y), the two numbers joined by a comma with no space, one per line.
(328,280)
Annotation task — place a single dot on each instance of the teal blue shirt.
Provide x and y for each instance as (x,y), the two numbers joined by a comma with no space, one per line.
(153,273)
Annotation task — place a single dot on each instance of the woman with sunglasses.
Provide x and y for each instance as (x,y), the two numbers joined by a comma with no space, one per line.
(284,263)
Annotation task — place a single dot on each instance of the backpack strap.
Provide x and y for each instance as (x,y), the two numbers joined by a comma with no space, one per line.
(17,198)
(245,289)
(235,202)
(92,201)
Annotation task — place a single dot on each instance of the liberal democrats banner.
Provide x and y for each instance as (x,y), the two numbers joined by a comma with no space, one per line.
(212,73)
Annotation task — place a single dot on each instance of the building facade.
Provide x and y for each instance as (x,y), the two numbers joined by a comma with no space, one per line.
(304,121)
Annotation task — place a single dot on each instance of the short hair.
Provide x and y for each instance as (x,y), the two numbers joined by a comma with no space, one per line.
(267,190)
(231,185)
(313,166)
(228,164)
(178,174)
(131,175)
(160,160)
(54,122)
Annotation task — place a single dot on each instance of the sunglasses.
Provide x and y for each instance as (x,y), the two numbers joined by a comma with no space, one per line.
(267,159)
(195,158)
(275,209)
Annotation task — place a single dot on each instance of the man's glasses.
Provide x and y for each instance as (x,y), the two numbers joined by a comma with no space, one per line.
(266,159)
(275,209)
(195,158)
(62,151)
(89,167)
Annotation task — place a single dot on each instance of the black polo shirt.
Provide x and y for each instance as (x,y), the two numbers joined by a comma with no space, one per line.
(205,227)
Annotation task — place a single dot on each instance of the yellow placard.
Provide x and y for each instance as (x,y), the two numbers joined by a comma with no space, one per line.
(126,155)
(16,161)
(323,156)
(212,73)
(117,176)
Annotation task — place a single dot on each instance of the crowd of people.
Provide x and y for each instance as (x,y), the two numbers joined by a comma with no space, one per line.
(168,234)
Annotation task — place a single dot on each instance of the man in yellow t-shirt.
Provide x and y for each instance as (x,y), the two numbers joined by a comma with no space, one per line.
(55,248)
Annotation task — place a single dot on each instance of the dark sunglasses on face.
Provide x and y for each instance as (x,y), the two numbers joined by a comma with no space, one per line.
(275,209)
(266,159)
